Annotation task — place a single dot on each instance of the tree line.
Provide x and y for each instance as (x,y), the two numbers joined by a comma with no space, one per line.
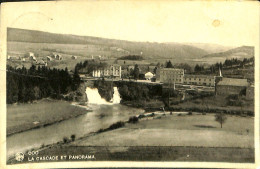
(26,85)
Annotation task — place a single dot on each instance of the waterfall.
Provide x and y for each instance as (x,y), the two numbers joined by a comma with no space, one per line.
(95,98)
(116,96)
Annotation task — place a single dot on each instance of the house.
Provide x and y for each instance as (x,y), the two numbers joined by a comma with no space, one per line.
(32,57)
(228,86)
(73,57)
(22,59)
(148,76)
(57,56)
(49,58)
(202,80)
(108,71)
(12,58)
(171,75)
(41,63)
(31,54)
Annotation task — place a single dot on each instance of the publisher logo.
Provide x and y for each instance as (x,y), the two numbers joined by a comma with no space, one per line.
(19,156)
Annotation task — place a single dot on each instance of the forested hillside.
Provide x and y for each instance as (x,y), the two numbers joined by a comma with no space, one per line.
(26,85)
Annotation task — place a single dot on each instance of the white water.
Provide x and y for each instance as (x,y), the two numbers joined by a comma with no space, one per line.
(116,96)
(95,98)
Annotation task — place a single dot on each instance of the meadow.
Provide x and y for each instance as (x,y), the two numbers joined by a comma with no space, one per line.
(167,137)
(195,130)
(22,117)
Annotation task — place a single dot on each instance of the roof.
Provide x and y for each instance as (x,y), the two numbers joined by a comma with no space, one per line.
(172,69)
(148,73)
(233,82)
(41,62)
(198,76)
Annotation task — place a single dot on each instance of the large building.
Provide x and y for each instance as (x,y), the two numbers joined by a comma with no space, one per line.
(201,80)
(171,75)
(228,86)
(108,71)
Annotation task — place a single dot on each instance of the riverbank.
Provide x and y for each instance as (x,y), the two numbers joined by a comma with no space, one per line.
(24,117)
(167,136)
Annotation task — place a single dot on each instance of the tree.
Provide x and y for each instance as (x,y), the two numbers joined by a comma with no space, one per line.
(221,118)
(73,136)
(155,70)
(169,64)
(136,72)
(76,80)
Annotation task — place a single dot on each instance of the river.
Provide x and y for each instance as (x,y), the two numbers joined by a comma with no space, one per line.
(103,115)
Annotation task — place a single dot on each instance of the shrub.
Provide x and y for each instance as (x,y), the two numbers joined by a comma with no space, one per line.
(190,113)
(133,119)
(179,114)
(171,113)
(116,125)
(73,136)
(203,113)
(65,140)
(141,116)
(100,130)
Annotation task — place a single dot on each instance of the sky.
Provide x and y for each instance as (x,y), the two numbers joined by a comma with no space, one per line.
(227,23)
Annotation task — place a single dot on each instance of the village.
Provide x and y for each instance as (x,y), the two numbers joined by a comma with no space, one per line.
(175,78)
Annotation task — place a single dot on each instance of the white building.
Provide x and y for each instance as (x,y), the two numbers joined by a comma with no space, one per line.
(49,58)
(108,71)
(148,76)
(31,54)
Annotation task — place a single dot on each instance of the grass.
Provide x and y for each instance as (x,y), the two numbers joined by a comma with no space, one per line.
(193,137)
(23,117)
(185,130)
(216,102)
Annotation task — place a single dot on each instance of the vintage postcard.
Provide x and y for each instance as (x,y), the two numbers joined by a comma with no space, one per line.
(130,84)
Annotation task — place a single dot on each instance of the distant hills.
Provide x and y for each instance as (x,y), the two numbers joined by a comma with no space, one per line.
(150,50)
(239,52)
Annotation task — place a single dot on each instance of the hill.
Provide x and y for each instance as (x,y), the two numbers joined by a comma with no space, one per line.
(239,52)
(211,48)
(149,50)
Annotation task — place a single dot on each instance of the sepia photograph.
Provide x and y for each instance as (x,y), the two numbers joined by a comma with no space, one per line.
(130,81)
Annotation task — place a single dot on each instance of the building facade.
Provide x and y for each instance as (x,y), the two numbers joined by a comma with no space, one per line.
(201,80)
(171,75)
(228,86)
(108,71)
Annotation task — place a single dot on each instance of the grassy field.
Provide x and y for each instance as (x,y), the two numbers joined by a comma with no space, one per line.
(173,130)
(217,102)
(27,116)
(173,137)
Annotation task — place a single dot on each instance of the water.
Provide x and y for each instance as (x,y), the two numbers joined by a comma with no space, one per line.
(103,115)
(116,96)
